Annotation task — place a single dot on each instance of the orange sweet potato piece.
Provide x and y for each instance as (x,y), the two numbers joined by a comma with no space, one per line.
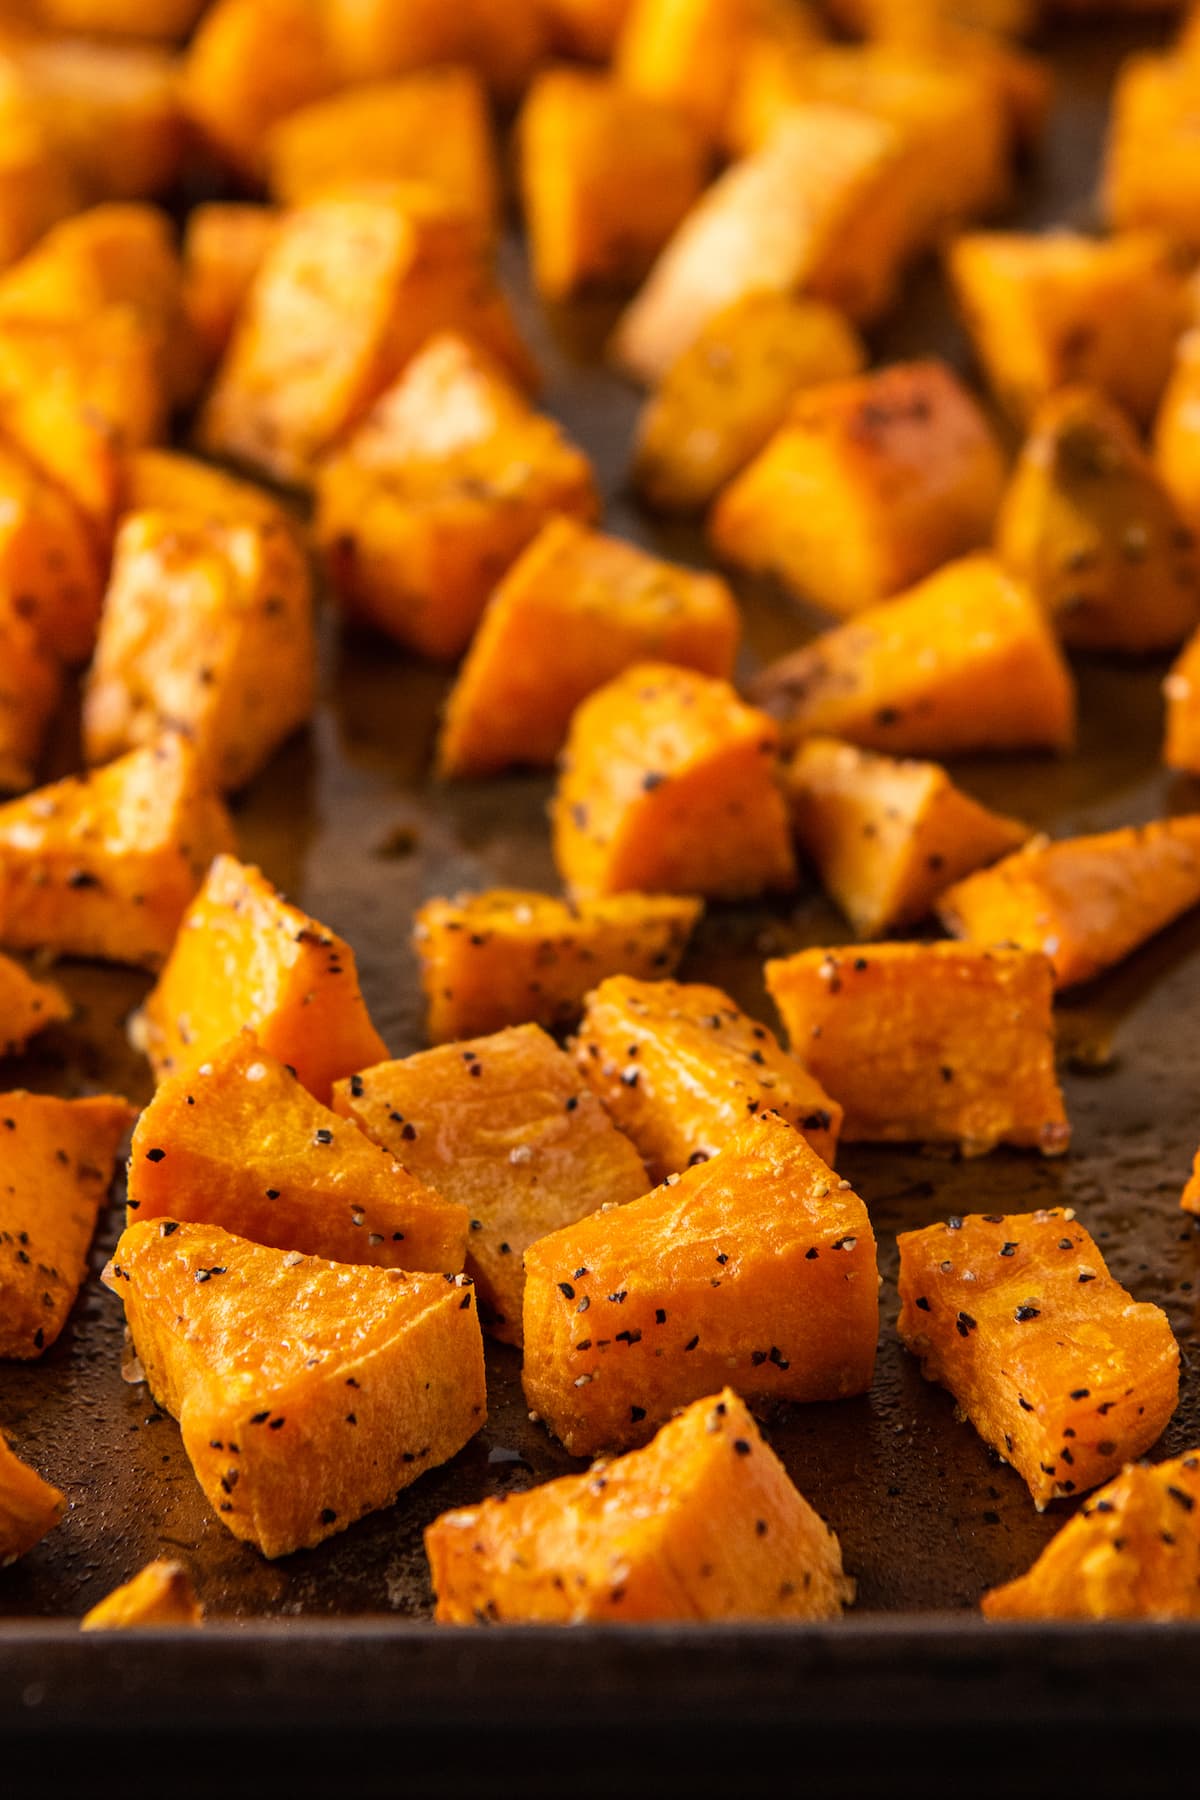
(704,1523)
(26,1006)
(245,957)
(161,1594)
(166,481)
(29,1506)
(444,484)
(1177,430)
(757,1268)
(30,689)
(224,246)
(586,28)
(237,1142)
(1182,690)
(105,865)
(1133,1553)
(680,1066)
(687,53)
(504,1126)
(574,611)
(48,558)
(869,485)
(37,185)
(308,1392)
(59,1160)
(144,19)
(513,957)
(929,1043)
(1151,169)
(959,36)
(668,786)
(1047,1355)
(250,63)
(887,836)
(964,661)
(1087,901)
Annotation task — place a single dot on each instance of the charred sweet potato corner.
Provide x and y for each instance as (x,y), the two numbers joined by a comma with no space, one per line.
(268,413)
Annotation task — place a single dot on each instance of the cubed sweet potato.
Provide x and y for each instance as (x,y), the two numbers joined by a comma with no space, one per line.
(162,1594)
(1052,1361)
(965,661)
(1086,901)
(929,1043)
(49,564)
(250,63)
(439,490)
(704,1523)
(887,836)
(238,1142)
(1152,160)
(668,785)
(104,865)
(1088,525)
(224,246)
(880,18)
(27,1006)
(145,19)
(245,957)
(307,1392)
(687,54)
(31,687)
(373,40)
(1182,690)
(165,481)
(586,28)
(574,611)
(512,957)
(37,185)
(504,1126)
(730,390)
(757,1268)
(59,1157)
(869,485)
(1177,430)
(29,1506)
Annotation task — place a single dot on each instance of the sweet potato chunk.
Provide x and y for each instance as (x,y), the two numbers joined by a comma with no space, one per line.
(703,1523)
(308,1392)
(504,1126)
(679,1067)
(687,54)
(224,247)
(929,1043)
(1059,308)
(1152,168)
(757,1268)
(887,836)
(512,957)
(37,186)
(161,1594)
(668,786)
(26,1006)
(730,390)
(105,865)
(1133,1553)
(166,481)
(574,611)
(237,1142)
(586,28)
(29,1506)
(1089,526)
(1191,1193)
(208,627)
(1087,902)
(444,484)
(1050,1359)
(1177,431)
(30,690)
(122,18)
(869,485)
(1182,689)
(58,1162)
(49,564)
(250,63)
(965,661)
(245,957)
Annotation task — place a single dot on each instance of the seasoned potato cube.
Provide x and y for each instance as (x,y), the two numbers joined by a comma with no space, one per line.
(668,785)
(573,612)
(224,246)
(1152,164)
(1182,690)
(686,54)
(251,63)
(26,1006)
(49,561)
(965,661)
(958,37)
(1177,430)
(165,481)
(31,687)
(868,485)
(374,40)
(160,1595)
(37,185)
(440,489)
(29,1506)
(730,390)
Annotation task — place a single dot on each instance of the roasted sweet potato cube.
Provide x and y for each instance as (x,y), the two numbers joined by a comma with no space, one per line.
(686,54)
(1182,690)
(37,185)
(27,1006)
(757,1268)
(887,836)
(1152,163)
(1051,1360)
(1089,526)
(238,1142)
(224,246)
(1177,431)
(504,1126)
(703,1523)
(145,19)
(49,564)
(30,690)
(574,611)
(586,28)
(730,390)
(668,785)
(308,1392)
(250,63)
(29,1506)
(1133,1553)
(441,488)
(245,957)
(512,957)
(105,864)
(161,1594)
(882,18)
(965,661)
(375,39)
(165,481)
(59,1157)
(929,1043)
(870,484)
(208,627)
(1047,310)
(1087,902)
(679,1066)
